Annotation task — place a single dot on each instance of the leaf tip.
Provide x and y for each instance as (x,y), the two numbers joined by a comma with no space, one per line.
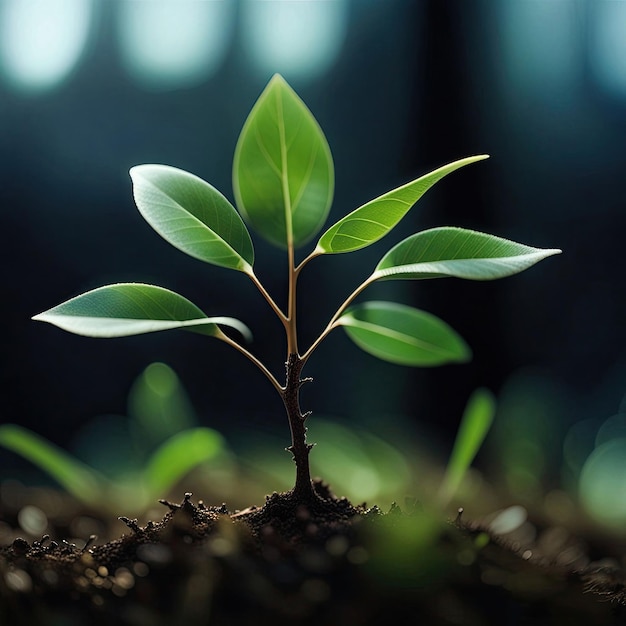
(465,354)
(548,252)
(135,171)
(276,82)
(245,332)
(461,354)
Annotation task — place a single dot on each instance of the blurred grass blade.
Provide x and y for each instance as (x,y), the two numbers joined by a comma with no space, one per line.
(78,479)
(193,216)
(376,218)
(132,309)
(283,173)
(475,424)
(179,455)
(457,252)
(403,335)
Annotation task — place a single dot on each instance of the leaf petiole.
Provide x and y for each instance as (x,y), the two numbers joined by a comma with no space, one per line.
(259,285)
(231,342)
(332,324)
(310,257)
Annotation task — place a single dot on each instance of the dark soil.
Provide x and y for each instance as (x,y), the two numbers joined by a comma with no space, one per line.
(321,562)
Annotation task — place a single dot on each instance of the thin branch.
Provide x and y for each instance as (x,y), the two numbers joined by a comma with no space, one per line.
(266,295)
(251,357)
(333,321)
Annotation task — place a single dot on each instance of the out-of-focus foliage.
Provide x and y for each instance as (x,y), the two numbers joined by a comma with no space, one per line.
(129,463)
(475,424)
(528,430)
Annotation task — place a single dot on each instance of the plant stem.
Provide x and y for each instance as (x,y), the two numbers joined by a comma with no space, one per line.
(303,489)
(291,328)
(299,448)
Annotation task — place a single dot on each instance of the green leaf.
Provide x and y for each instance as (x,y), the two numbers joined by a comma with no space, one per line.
(75,477)
(193,216)
(179,455)
(283,173)
(457,252)
(132,309)
(375,219)
(475,424)
(403,335)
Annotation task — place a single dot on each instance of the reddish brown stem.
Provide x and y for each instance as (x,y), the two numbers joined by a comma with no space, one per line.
(299,448)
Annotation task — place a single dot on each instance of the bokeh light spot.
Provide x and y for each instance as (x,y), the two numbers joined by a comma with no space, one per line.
(607,52)
(579,443)
(542,48)
(168,44)
(612,428)
(508,520)
(32,520)
(298,38)
(41,41)
(603,483)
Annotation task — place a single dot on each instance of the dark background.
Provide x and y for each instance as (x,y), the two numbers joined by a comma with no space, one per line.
(538,85)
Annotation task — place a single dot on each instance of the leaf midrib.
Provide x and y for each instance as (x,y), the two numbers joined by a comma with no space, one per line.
(396,335)
(198,223)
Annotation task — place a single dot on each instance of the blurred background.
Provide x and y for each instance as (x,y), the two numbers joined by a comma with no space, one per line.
(89,88)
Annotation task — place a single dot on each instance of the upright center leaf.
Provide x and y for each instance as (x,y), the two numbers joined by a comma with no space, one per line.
(283,174)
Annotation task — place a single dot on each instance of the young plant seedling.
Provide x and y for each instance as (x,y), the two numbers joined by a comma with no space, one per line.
(283,182)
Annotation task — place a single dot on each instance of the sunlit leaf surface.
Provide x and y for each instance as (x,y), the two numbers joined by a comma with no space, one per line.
(458,252)
(192,215)
(283,173)
(376,218)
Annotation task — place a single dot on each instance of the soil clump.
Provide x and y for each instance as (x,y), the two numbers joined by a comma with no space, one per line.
(321,562)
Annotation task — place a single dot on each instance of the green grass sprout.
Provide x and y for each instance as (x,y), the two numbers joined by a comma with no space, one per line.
(475,424)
